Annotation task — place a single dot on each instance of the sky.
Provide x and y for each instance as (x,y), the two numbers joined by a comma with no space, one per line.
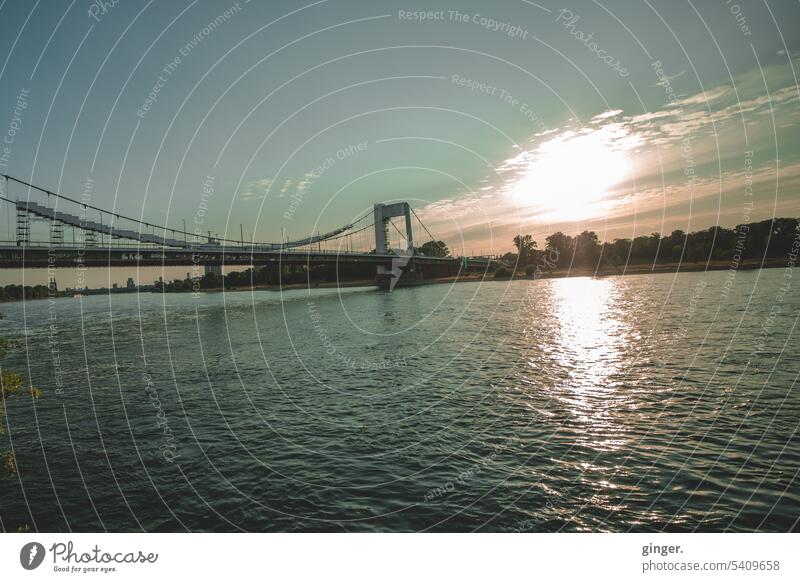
(492,119)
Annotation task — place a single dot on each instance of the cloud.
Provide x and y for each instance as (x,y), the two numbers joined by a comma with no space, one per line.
(606,115)
(255,189)
(667,79)
(687,163)
(260,188)
(705,97)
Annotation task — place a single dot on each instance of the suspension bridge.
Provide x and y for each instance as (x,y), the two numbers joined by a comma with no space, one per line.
(46,229)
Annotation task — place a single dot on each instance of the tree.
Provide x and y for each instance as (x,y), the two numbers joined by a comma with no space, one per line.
(587,249)
(526,247)
(11,384)
(510,258)
(643,248)
(503,273)
(672,247)
(563,245)
(723,242)
(434,248)
(771,238)
(784,233)
(617,253)
(774,238)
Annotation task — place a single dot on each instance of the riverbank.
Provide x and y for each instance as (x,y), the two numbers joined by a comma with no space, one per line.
(286,287)
(642,269)
(666,268)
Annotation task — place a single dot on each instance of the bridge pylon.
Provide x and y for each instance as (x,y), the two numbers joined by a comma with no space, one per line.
(389,277)
(383,212)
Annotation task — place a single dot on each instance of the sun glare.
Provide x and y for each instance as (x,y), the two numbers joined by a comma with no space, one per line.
(568,177)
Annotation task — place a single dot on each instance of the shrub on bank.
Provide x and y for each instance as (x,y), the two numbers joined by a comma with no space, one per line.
(503,273)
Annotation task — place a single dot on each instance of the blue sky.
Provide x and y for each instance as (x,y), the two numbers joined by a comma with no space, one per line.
(506,117)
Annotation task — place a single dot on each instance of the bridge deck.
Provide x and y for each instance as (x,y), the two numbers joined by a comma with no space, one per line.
(12,257)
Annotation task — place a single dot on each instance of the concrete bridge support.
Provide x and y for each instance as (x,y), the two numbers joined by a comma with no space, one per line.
(382,214)
(401,260)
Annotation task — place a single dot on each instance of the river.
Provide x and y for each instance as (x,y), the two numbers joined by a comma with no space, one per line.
(638,403)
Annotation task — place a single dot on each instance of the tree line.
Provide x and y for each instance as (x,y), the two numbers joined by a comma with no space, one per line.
(272,275)
(756,240)
(18,292)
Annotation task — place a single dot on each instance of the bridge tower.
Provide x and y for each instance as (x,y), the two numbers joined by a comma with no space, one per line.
(388,277)
(383,212)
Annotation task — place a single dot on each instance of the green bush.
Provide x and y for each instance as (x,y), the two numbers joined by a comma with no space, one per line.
(503,273)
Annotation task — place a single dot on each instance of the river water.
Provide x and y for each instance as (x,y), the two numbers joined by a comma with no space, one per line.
(639,403)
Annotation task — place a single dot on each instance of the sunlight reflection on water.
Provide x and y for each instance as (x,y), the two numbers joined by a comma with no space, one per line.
(592,346)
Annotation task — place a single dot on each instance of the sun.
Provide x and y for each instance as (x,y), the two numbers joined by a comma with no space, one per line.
(568,177)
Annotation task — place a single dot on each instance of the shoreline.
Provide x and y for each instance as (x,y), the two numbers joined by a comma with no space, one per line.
(640,269)
(664,268)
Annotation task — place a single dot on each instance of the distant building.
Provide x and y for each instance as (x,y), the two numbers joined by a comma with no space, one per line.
(114,286)
(130,284)
(52,286)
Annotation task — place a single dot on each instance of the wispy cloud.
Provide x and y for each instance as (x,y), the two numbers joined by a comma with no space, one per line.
(255,189)
(668,79)
(606,115)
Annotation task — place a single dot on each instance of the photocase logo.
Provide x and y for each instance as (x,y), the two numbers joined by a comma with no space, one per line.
(31,555)
(398,265)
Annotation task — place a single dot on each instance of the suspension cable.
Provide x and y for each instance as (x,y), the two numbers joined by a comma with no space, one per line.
(165,229)
(398,230)
(423,225)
